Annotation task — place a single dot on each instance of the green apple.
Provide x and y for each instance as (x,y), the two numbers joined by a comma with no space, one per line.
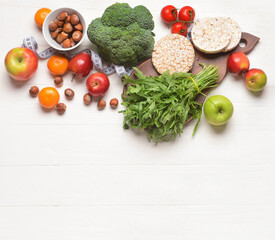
(218,110)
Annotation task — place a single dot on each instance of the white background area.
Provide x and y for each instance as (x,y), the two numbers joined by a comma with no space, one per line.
(81,176)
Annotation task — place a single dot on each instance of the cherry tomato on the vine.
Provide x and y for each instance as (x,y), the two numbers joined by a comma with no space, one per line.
(179,28)
(169,14)
(187,14)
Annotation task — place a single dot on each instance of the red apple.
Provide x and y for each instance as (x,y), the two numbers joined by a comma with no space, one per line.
(238,63)
(21,63)
(255,79)
(98,84)
(81,64)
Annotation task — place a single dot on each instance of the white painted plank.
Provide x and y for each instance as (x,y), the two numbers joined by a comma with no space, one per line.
(103,144)
(138,223)
(224,185)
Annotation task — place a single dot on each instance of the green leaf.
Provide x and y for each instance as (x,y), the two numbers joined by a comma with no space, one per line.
(161,105)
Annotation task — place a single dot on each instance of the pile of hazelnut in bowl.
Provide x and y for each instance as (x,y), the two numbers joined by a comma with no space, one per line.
(64,28)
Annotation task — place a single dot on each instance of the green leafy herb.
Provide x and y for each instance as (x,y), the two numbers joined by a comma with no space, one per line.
(161,105)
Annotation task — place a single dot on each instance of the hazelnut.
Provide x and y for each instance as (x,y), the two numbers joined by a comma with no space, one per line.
(61,108)
(74,19)
(61,37)
(68,19)
(77,35)
(59,23)
(58,81)
(67,27)
(54,34)
(62,16)
(59,30)
(58,38)
(78,27)
(114,103)
(72,42)
(53,26)
(34,90)
(87,99)
(66,43)
(101,104)
(69,93)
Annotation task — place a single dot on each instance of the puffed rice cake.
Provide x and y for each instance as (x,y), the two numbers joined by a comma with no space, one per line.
(211,35)
(173,52)
(236,33)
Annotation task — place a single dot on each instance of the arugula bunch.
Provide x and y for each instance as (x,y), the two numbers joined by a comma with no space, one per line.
(161,105)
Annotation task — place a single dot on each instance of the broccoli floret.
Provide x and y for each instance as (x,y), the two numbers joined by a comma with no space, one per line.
(144,17)
(123,35)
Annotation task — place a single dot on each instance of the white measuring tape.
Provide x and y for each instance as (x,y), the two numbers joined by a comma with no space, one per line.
(29,42)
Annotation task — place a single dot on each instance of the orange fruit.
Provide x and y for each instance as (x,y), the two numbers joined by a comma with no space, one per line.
(58,64)
(48,97)
(40,16)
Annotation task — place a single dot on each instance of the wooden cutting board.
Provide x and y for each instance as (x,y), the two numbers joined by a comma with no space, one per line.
(220,59)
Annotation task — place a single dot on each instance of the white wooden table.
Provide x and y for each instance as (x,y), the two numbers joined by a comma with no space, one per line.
(81,176)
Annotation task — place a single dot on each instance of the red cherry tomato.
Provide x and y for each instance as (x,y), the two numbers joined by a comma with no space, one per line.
(169,14)
(187,14)
(179,28)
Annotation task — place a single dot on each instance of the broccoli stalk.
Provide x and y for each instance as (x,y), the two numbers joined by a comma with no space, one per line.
(123,35)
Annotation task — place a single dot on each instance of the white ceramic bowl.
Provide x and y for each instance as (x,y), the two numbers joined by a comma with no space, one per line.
(51,17)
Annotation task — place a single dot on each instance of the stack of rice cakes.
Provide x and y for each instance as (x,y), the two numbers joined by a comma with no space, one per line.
(214,35)
(210,35)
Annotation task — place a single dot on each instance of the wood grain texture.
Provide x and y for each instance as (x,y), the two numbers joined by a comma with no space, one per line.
(81,176)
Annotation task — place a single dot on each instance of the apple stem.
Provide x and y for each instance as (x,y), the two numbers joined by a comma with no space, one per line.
(73,77)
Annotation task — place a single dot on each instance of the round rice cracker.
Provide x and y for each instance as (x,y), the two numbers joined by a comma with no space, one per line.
(173,52)
(236,33)
(211,35)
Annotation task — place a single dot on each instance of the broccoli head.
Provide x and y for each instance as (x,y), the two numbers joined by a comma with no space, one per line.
(123,35)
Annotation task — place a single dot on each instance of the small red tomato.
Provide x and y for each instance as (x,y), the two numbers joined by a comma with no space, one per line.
(97,84)
(187,14)
(238,63)
(169,14)
(179,28)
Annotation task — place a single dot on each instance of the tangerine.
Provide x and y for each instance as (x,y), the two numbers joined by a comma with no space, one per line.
(48,97)
(58,64)
(40,16)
